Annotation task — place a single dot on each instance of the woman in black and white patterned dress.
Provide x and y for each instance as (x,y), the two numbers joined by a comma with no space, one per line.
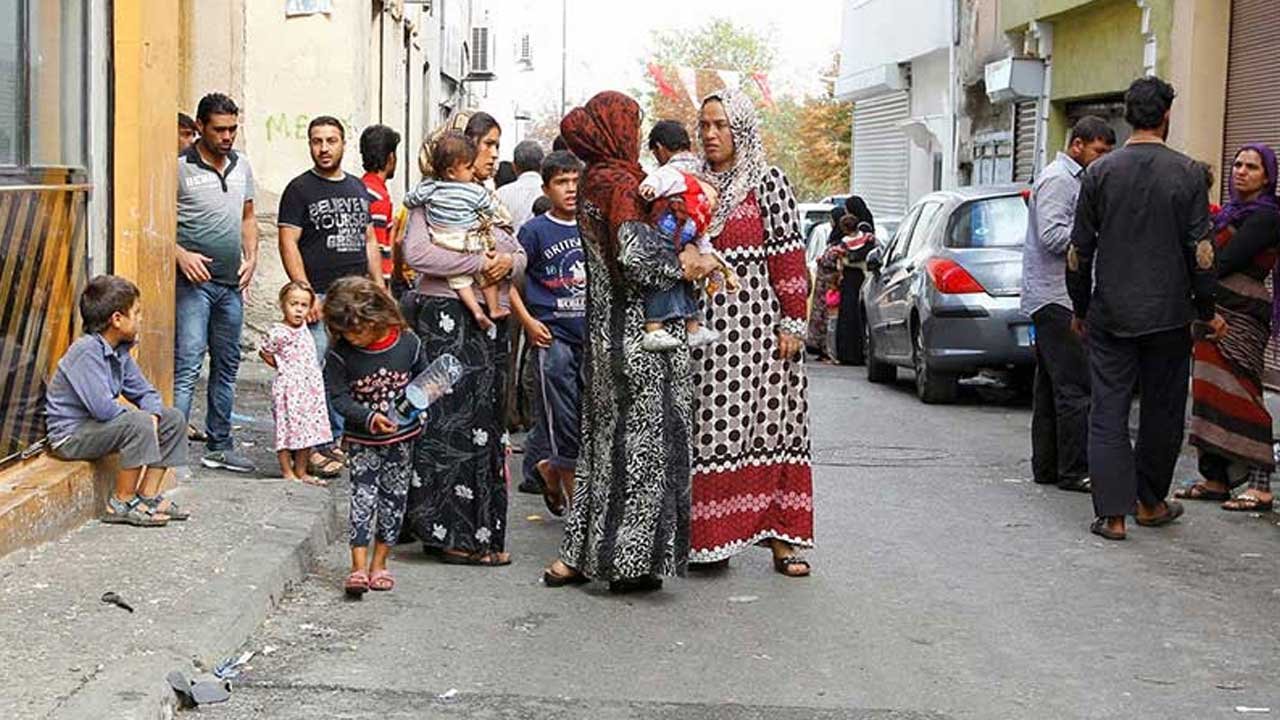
(629,520)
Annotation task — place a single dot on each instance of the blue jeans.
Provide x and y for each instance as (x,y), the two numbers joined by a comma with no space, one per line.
(556,404)
(209,319)
(321,336)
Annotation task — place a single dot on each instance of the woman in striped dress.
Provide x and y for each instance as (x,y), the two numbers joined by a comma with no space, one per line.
(752,482)
(1230,424)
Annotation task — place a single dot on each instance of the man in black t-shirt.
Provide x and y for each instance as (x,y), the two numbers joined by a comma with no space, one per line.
(326,231)
(1140,270)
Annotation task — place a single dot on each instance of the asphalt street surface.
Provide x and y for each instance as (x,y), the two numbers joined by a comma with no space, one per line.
(946,585)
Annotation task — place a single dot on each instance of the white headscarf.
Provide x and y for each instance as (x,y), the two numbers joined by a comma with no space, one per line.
(749,164)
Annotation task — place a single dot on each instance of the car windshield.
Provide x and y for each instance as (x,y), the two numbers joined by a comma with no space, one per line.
(990,223)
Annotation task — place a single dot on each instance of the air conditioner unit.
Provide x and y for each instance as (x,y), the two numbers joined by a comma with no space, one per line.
(525,54)
(481,53)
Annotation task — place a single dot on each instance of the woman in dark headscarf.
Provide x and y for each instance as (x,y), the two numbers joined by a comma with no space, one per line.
(849,332)
(1230,424)
(825,278)
(629,519)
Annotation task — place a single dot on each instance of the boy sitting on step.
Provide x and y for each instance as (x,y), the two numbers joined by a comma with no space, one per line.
(86,422)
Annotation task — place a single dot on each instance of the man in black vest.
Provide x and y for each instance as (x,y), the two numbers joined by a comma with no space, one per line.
(1140,271)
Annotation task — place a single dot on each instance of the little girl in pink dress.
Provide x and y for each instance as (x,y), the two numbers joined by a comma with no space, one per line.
(300,410)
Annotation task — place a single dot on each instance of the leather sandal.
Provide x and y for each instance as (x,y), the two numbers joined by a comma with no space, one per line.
(1200,491)
(1172,511)
(1099,527)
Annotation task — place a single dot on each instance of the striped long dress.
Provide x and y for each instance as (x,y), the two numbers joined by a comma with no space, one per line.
(1230,424)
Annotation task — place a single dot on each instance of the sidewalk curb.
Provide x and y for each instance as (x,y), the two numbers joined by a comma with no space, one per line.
(284,552)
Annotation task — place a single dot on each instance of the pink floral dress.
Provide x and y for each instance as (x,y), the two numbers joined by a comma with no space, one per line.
(301,415)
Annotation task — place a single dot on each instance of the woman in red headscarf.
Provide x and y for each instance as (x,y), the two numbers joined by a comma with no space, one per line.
(629,519)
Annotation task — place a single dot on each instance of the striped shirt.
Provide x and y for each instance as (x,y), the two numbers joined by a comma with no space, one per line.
(454,205)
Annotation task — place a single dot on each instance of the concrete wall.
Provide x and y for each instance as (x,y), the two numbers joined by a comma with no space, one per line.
(1197,67)
(1015,14)
(930,103)
(1097,51)
(873,33)
(210,50)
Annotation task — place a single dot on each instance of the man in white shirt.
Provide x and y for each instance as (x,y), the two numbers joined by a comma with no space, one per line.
(518,197)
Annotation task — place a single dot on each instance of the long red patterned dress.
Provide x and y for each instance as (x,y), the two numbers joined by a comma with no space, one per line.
(752,481)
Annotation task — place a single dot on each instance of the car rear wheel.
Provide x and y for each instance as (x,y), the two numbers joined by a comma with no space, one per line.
(932,387)
(877,371)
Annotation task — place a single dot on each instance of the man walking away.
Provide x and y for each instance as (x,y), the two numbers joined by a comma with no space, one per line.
(378,145)
(326,234)
(1140,269)
(217,255)
(518,196)
(1060,416)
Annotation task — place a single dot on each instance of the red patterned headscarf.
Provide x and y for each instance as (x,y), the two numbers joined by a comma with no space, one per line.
(605,134)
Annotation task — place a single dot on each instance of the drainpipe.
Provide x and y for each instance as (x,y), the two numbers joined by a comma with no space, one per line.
(949,174)
(1043,34)
(1148,40)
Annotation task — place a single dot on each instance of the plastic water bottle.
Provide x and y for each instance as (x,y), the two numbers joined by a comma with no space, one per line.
(429,386)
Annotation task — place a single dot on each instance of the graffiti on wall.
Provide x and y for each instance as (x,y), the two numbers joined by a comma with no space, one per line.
(286,127)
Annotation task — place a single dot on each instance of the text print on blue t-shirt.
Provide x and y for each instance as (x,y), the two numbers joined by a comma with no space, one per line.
(564,270)
(344,219)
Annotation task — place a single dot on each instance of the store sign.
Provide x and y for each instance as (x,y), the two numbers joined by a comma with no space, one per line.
(294,8)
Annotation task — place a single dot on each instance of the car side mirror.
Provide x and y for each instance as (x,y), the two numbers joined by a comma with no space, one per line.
(875,260)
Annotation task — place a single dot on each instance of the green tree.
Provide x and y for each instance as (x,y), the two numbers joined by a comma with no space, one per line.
(809,139)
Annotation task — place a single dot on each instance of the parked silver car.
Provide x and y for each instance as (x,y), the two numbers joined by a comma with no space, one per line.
(943,295)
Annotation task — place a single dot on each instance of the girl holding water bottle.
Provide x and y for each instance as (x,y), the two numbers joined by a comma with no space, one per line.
(366,374)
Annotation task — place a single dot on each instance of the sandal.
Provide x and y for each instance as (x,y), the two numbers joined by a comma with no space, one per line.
(477,559)
(1248,503)
(133,512)
(357,584)
(783,565)
(161,505)
(195,434)
(552,497)
(1172,511)
(554,580)
(313,481)
(323,466)
(381,581)
(1099,527)
(1200,491)
(648,583)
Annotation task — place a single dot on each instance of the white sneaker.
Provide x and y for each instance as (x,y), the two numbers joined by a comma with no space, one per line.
(702,337)
(659,341)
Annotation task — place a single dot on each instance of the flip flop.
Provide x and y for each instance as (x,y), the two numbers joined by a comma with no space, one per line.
(381,581)
(1200,491)
(357,584)
(1173,510)
(782,566)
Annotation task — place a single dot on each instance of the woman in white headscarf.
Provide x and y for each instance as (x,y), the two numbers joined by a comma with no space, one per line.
(752,482)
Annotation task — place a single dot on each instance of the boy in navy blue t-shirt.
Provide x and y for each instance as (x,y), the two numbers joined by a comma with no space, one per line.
(554,317)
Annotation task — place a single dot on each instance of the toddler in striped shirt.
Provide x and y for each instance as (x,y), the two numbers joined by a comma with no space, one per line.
(462,214)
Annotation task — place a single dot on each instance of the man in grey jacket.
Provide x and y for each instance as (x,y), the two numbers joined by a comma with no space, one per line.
(1060,416)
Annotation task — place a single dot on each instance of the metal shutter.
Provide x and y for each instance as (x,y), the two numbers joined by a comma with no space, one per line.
(1026,119)
(1253,108)
(880,153)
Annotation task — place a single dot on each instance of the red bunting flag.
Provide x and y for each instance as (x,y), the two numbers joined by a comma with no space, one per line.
(762,82)
(660,78)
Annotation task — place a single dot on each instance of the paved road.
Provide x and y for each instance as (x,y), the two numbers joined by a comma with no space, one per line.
(947,586)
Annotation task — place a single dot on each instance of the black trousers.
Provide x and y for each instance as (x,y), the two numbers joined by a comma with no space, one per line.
(1060,406)
(1160,364)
